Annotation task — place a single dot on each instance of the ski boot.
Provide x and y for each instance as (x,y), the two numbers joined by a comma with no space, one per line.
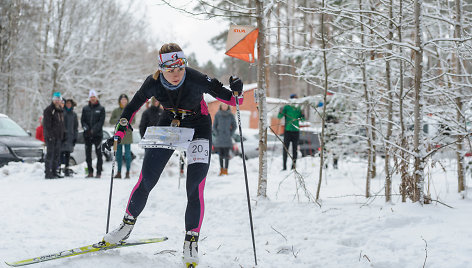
(190,257)
(122,232)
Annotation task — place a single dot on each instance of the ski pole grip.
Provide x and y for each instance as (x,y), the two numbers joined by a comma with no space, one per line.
(115,143)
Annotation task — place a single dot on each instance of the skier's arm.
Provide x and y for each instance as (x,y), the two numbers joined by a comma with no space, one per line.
(218,91)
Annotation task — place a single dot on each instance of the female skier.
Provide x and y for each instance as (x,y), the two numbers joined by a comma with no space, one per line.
(180,91)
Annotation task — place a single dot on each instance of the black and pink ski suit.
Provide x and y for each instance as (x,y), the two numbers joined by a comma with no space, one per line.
(188,98)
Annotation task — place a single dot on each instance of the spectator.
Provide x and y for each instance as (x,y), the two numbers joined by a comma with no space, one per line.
(53,127)
(224,128)
(150,117)
(127,140)
(292,115)
(39,130)
(71,125)
(93,117)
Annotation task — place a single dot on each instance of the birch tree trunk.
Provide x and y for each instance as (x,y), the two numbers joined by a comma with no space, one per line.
(325,93)
(460,114)
(404,157)
(279,52)
(261,94)
(418,143)
(368,111)
(388,178)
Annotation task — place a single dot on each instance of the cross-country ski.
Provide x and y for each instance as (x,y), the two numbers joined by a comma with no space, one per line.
(97,247)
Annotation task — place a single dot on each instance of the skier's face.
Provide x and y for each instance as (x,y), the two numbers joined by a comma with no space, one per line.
(174,75)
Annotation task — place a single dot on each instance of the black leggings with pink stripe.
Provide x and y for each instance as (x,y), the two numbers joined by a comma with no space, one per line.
(155,160)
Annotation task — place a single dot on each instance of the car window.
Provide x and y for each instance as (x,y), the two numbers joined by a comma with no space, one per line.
(8,127)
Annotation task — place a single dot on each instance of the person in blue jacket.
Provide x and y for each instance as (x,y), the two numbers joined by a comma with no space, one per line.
(179,89)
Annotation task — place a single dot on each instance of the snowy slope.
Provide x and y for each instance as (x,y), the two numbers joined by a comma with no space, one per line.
(43,216)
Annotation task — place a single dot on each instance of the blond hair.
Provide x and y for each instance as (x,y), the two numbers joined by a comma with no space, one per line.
(166,48)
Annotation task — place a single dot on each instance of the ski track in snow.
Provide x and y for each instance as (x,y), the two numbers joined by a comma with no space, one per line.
(44,216)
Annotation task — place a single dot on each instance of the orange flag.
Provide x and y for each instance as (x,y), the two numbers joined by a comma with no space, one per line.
(240,42)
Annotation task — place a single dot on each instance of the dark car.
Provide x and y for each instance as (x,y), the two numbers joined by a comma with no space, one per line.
(16,145)
(309,143)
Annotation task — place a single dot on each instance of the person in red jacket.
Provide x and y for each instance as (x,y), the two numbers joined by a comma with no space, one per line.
(39,130)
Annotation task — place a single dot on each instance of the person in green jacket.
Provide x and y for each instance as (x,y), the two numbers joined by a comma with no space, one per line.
(292,115)
(127,140)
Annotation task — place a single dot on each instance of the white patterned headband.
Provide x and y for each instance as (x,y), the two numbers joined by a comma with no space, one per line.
(172,60)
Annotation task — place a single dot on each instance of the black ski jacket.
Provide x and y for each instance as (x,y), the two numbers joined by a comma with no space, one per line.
(191,97)
(53,123)
(92,120)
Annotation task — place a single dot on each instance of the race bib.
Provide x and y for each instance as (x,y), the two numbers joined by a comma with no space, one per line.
(198,152)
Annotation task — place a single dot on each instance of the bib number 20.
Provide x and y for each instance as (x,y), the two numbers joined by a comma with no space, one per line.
(198,152)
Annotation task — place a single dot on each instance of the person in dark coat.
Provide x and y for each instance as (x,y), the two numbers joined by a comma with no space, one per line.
(93,118)
(53,128)
(150,117)
(224,128)
(71,125)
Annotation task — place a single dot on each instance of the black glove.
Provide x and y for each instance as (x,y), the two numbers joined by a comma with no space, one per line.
(107,145)
(236,85)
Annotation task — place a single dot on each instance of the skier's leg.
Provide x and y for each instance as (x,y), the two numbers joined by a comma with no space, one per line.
(196,175)
(154,162)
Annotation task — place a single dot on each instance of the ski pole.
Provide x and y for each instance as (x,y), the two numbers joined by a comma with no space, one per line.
(245,176)
(115,145)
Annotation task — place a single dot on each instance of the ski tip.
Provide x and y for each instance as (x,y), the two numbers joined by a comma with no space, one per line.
(11,264)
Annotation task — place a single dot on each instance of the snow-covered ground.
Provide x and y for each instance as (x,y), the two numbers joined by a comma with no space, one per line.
(43,216)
